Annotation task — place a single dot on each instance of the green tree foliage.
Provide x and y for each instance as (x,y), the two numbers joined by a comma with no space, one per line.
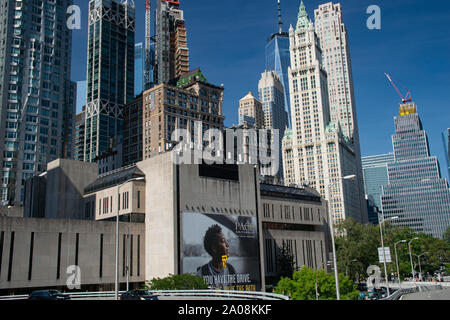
(447,236)
(285,261)
(177,282)
(302,286)
(361,243)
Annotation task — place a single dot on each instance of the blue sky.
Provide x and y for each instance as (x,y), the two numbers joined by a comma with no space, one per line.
(227,40)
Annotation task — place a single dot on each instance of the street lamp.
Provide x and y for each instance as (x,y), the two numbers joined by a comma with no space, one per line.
(381,221)
(420,267)
(330,221)
(317,272)
(396,260)
(116,291)
(410,255)
(346,266)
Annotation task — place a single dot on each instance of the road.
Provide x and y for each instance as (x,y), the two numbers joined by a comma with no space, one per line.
(429,295)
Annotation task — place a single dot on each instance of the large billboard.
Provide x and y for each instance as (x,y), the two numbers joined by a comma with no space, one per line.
(223,249)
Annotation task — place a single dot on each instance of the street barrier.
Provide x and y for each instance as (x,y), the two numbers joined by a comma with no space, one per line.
(220,294)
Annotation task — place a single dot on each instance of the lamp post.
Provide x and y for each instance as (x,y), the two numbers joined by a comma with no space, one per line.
(382,221)
(317,272)
(410,255)
(116,290)
(420,267)
(396,261)
(330,221)
(346,266)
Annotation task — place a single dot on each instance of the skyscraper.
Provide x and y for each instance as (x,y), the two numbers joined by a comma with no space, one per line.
(278,59)
(138,69)
(416,193)
(331,30)
(271,95)
(37,98)
(172,52)
(375,175)
(446,137)
(321,155)
(251,111)
(110,72)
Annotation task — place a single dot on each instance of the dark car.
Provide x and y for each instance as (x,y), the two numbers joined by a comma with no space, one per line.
(138,295)
(48,295)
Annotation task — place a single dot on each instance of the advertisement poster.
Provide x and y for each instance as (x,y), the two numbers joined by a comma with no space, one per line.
(222,249)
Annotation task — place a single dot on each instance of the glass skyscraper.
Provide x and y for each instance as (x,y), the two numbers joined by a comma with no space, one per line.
(375,175)
(278,58)
(110,74)
(37,97)
(138,69)
(446,137)
(416,193)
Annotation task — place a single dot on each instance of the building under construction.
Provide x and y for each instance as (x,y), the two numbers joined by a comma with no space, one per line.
(171,53)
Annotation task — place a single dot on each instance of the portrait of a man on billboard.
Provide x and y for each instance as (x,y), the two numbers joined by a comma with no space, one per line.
(223,249)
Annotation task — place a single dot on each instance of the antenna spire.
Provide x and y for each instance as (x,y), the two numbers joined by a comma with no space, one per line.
(280,22)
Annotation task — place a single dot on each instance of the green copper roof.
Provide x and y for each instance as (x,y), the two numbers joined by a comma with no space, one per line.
(303,20)
(196,74)
(331,127)
(287,134)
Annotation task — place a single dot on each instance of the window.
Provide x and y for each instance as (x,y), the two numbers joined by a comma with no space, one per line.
(139,199)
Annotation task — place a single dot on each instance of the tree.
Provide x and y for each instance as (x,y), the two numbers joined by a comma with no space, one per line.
(177,282)
(360,243)
(302,286)
(447,236)
(285,261)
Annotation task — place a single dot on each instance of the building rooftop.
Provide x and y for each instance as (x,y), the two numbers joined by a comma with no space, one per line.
(289,192)
(114,178)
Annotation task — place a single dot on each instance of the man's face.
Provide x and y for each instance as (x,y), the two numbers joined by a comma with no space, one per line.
(221,247)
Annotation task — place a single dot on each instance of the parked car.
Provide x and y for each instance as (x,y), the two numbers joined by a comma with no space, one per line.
(138,295)
(48,295)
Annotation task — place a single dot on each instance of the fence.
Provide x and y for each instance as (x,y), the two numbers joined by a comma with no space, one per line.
(220,294)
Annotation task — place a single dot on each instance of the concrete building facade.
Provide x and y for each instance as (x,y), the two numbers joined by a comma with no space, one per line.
(42,253)
(298,219)
(58,192)
(167,208)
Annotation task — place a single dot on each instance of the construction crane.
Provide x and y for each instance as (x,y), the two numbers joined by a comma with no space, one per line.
(405,99)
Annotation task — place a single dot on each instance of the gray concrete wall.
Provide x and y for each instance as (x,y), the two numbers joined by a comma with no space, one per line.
(66,180)
(15,211)
(161,238)
(15,267)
